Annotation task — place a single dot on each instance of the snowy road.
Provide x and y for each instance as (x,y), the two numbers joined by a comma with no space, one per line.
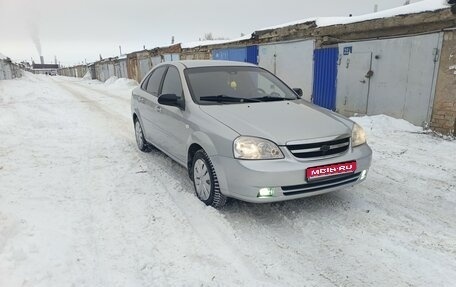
(81,206)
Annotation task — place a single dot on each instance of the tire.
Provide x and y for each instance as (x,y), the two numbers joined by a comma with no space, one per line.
(205,181)
(141,142)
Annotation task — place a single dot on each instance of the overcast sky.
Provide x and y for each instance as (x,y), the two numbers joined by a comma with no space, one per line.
(82,29)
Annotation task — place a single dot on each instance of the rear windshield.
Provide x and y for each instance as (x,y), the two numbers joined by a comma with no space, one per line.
(250,83)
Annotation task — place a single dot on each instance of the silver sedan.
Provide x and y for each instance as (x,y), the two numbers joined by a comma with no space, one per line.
(243,133)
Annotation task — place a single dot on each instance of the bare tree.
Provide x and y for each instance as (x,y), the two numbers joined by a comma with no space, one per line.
(208,36)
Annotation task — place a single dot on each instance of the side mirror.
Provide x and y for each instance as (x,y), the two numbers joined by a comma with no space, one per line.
(298,91)
(171,100)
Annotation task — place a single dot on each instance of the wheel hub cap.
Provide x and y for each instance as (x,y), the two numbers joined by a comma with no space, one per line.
(138,133)
(202,179)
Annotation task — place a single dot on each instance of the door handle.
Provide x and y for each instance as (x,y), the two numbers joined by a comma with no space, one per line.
(158,109)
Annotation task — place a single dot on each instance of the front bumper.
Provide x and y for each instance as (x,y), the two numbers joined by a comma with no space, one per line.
(242,179)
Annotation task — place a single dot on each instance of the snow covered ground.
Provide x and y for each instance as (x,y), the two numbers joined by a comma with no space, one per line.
(81,206)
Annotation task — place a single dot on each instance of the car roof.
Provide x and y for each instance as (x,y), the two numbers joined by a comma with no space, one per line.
(211,63)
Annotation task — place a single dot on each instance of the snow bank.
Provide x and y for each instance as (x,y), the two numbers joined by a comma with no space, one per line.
(453,68)
(2,56)
(422,6)
(212,42)
(87,76)
(384,125)
(120,83)
(111,80)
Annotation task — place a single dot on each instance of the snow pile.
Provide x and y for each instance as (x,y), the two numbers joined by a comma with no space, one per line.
(111,80)
(87,76)
(212,42)
(384,125)
(453,68)
(124,83)
(120,83)
(419,7)
(2,57)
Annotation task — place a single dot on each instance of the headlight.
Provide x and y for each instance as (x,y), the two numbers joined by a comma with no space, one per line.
(358,135)
(255,148)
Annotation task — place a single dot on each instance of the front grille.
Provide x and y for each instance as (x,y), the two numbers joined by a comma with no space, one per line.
(321,184)
(320,149)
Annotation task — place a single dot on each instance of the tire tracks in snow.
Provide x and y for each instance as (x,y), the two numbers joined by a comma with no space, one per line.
(211,228)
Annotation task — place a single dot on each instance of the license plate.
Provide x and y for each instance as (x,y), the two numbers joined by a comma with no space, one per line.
(319,172)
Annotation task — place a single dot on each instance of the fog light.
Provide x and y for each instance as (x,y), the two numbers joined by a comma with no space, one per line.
(363,175)
(266,192)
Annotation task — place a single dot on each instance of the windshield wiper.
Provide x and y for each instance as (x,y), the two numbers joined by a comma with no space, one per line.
(228,99)
(271,98)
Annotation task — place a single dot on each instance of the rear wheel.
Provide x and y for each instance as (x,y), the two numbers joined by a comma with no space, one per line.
(205,181)
(143,145)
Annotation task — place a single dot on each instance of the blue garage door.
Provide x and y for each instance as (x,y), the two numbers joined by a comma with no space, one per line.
(244,54)
(325,76)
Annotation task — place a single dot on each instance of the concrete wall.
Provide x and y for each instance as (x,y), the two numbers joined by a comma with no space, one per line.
(8,70)
(444,109)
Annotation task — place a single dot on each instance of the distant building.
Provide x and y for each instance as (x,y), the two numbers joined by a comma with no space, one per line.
(45,69)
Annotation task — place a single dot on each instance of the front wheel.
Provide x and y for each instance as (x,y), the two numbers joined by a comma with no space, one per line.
(140,140)
(205,181)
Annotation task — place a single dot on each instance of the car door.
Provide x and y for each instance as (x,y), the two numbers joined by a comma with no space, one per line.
(148,106)
(173,120)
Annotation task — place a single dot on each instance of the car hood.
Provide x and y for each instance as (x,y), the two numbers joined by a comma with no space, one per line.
(280,122)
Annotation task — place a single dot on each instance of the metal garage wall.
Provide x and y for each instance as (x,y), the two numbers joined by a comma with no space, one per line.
(395,77)
(104,72)
(132,68)
(117,70)
(111,70)
(123,68)
(98,71)
(171,57)
(156,60)
(325,76)
(145,65)
(93,72)
(241,54)
(292,62)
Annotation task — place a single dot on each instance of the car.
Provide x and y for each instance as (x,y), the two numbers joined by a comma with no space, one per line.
(242,133)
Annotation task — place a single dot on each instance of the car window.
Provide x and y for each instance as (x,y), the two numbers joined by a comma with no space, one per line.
(172,83)
(144,83)
(155,80)
(267,87)
(236,82)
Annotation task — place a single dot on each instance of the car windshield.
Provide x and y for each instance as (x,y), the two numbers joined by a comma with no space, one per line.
(235,85)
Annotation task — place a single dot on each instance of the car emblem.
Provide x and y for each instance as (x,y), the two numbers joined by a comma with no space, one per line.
(325,148)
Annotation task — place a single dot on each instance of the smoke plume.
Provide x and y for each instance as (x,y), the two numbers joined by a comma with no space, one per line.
(35,35)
